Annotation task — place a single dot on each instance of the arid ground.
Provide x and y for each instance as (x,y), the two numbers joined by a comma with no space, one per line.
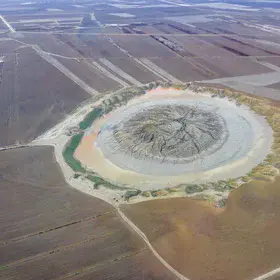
(57,59)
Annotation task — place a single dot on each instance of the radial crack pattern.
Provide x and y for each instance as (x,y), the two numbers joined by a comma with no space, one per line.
(170,133)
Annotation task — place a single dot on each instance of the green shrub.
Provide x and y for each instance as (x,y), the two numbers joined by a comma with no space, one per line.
(90,118)
(193,188)
(68,153)
(131,193)
(154,193)
(146,194)
(98,181)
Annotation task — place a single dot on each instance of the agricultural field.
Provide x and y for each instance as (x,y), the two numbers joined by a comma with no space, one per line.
(142,46)
(71,72)
(65,246)
(275,86)
(30,103)
(233,240)
(135,69)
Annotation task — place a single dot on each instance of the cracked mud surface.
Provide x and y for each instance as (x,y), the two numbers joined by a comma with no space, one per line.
(170,133)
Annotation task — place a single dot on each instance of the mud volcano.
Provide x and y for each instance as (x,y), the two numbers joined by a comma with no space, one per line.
(168,137)
(170,133)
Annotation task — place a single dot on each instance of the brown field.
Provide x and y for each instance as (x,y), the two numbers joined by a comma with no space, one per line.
(92,46)
(200,47)
(49,229)
(238,47)
(94,78)
(149,29)
(42,15)
(135,69)
(275,86)
(177,28)
(50,43)
(8,46)
(143,46)
(184,69)
(239,66)
(230,28)
(272,60)
(34,96)
(43,195)
(239,242)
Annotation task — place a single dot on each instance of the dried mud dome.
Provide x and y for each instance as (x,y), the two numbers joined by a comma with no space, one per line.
(170,133)
(169,137)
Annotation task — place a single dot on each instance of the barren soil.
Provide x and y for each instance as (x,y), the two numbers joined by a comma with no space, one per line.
(33,101)
(239,242)
(86,240)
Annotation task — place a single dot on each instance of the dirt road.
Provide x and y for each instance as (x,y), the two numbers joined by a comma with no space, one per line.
(144,237)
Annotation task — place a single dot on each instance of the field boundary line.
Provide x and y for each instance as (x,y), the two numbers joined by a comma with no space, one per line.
(55,228)
(50,58)
(11,147)
(57,249)
(95,266)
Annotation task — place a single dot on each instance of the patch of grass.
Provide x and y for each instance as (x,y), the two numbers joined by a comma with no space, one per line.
(245,179)
(171,190)
(146,194)
(193,188)
(3,267)
(98,181)
(68,153)
(221,203)
(131,193)
(154,193)
(90,118)
(76,176)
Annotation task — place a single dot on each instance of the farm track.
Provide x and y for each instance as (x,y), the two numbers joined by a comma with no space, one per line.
(145,239)
(65,71)
(159,71)
(12,30)
(267,64)
(103,70)
(269,274)
(50,59)
(116,69)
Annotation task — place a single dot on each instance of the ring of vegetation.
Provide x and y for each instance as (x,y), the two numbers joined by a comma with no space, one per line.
(170,133)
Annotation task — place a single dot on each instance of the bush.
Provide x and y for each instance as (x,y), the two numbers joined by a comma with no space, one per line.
(154,193)
(68,153)
(146,194)
(131,193)
(98,181)
(193,188)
